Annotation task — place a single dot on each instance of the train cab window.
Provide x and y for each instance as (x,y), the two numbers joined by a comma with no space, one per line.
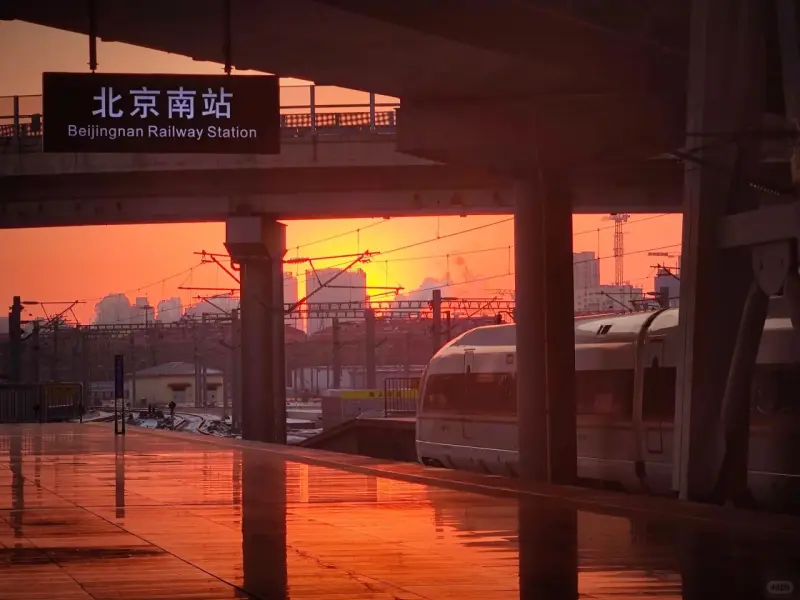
(659,393)
(471,393)
(775,390)
(604,392)
(442,392)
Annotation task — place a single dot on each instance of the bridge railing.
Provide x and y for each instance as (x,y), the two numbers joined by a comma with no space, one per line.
(306,110)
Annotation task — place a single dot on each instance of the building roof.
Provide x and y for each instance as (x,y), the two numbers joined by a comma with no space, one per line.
(173,369)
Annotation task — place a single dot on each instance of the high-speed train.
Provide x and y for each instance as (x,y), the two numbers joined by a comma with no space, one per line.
(467,411)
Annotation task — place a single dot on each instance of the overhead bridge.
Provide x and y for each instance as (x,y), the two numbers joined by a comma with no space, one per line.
(331,165)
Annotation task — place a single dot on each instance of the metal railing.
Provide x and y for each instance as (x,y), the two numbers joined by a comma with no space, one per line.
(40,402)
(400,396)
(304,112)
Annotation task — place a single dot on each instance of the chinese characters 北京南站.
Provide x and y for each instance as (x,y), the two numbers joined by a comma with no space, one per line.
(180,103)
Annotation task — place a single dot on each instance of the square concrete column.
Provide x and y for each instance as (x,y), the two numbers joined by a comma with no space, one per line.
(545,327)
(725,95)
(259,244)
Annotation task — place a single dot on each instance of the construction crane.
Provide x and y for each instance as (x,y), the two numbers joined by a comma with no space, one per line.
(619,245)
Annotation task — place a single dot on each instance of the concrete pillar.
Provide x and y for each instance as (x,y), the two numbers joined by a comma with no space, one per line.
(264,516)
(530,306)
(560,331)
(724,96)
(258,245)
(548,550)
(545,332)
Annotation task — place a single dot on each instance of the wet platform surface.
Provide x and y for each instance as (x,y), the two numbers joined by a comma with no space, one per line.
(163,515)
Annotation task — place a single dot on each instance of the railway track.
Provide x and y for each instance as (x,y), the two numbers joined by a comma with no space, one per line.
(185,421)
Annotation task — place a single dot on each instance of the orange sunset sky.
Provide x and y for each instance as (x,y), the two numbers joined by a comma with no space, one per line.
(86,263)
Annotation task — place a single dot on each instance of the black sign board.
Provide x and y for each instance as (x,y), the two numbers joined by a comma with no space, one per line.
(218,114)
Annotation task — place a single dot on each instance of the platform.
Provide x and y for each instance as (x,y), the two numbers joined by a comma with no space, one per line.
(167,515)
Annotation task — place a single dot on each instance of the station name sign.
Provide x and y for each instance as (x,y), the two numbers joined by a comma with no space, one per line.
(210,114)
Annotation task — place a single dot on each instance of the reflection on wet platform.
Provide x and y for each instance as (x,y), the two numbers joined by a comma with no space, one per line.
(86,515)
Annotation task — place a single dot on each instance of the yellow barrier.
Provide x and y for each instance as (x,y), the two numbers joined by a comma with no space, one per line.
(360,394)
(61,394)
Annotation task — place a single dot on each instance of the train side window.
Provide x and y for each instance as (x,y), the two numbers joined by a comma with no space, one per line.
(659,393)
(491,394)
(604,392)
(775,390)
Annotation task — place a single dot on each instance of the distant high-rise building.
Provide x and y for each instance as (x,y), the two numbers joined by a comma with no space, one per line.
(113,309)
(350,286)
(291,296)
(169,310)
(586,280)
(289,288)
(142,312)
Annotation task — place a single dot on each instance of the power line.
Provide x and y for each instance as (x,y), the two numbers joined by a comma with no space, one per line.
(507,247)
(478,228)
(393,250)
(512,272)
(343,234)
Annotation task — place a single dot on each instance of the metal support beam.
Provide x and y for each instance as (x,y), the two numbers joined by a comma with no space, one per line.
(761,226)
(92,9)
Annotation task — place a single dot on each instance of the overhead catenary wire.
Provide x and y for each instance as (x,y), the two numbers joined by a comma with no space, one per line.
(465,231)
(513,272)
(356,231)
(448,284)
(419,243)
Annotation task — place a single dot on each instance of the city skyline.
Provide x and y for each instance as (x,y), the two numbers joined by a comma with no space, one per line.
(474,254)
(339,285)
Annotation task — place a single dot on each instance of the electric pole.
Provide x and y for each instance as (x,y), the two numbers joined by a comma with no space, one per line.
(236,372)
(436,305)
(85,365)
(35,341)
(337,354)
(369,318)
(407,354)
(133,371)
(197,376)
(54,367)
(203,371)
(15,339)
